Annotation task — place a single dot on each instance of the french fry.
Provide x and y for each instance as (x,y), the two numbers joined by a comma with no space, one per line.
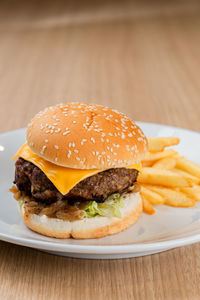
(174,198)
(188,176)
(193,192)
(159,143)
(162,177)
(147,164)
(151,196)
(167,177)
(158,155)
(166,163)
(147,206)
(188,166)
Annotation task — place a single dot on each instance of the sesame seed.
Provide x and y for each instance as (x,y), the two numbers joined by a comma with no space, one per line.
(74,122)
(92,139)
(46,141)
(107,140)
(83,140)
(51,108)
(76,151)
(116,145)
(102,140)
(43,149)
(77,158)
(69,153)
(66,132)
(56,159)
(56,147)
(130,135)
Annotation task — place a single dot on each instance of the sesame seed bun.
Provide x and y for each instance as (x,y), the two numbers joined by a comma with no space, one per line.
(85,136)
(95,227)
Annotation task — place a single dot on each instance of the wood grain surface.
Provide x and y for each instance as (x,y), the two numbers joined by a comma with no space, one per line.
(141,57)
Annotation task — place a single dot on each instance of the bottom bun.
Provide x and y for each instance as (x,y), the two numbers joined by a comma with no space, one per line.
(86,228)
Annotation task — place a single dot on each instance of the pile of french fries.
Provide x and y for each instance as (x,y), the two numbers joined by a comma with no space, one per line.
(167,177)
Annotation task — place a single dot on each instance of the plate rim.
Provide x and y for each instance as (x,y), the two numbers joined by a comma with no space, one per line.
(102,249)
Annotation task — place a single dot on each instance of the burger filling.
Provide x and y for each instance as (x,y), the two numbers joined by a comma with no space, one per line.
(100,194)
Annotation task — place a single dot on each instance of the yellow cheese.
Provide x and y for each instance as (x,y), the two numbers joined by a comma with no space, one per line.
(63,178)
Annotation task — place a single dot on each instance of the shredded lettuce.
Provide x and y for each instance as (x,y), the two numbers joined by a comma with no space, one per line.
(110,208)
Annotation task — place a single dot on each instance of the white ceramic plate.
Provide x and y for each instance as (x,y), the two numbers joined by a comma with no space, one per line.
(167,229)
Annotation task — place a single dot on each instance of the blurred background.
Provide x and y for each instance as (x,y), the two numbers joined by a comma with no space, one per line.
(141,57)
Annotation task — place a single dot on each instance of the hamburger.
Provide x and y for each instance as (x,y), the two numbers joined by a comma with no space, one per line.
(76,176)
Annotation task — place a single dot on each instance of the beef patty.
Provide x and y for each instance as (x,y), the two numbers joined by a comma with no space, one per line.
(30,179)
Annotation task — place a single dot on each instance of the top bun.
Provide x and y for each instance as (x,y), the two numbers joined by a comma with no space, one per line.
(86,136)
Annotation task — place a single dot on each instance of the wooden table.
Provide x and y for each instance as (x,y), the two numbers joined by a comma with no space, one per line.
(142,58)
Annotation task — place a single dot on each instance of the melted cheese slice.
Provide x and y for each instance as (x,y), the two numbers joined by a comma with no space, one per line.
(63,178)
